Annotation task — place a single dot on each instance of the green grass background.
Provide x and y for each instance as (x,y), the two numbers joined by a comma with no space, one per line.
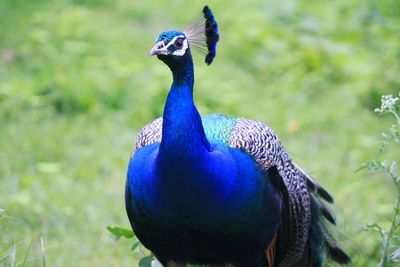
(76,85)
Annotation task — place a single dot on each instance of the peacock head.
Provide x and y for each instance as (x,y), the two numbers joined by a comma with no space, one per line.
(173,47)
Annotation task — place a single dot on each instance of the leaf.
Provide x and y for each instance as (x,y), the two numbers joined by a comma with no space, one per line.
(119,232)
(27,251)
(146,261)
(1,212)
(374,228)
(135,245)
(363,166)
(395,256)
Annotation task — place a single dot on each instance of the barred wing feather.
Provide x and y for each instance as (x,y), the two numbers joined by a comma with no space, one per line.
(260,141)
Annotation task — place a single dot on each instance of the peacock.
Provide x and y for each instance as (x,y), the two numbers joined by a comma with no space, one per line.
(217,190)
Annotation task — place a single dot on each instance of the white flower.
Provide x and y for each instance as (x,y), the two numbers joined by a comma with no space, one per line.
(388,102)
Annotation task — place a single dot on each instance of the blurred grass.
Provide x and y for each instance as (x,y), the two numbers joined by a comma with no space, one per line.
(77,84)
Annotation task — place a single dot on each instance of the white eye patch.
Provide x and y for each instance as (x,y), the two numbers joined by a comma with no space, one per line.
(181,51)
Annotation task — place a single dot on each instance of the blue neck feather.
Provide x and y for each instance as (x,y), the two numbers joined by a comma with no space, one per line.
(183,136)
(186,190)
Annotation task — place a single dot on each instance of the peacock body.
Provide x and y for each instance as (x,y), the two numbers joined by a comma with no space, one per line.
(218,190)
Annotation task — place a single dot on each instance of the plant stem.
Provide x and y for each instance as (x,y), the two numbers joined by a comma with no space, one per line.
(392,229)
(396,115)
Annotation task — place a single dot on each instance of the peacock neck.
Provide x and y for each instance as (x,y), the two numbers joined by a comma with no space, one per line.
(183,136)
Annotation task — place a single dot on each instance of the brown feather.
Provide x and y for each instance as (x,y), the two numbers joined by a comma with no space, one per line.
(270,252)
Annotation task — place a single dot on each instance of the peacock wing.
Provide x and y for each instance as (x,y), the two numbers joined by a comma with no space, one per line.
(260,141)
(149,134)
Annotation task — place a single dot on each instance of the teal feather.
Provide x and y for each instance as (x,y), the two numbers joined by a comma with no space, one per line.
(219,128)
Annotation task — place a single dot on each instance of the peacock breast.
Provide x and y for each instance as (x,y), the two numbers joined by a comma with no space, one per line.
(184,210)
(225,187)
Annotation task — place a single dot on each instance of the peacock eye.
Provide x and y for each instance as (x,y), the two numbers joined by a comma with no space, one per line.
(179,43)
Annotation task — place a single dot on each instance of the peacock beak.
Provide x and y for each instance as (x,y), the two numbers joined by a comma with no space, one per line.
(159,49)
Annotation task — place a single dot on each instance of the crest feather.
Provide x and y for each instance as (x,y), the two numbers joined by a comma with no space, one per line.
(203,35)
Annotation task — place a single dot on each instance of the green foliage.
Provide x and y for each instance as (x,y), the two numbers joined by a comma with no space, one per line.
(119,232)
(389,237)
(8,253)
(146,261)
(77,84)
